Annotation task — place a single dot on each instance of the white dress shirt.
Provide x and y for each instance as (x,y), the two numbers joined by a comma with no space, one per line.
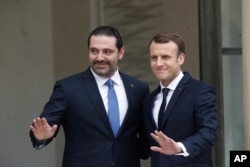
(159,96)
(119,89)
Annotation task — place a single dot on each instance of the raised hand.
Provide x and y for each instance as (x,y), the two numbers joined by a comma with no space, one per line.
(41,129)
(167,145)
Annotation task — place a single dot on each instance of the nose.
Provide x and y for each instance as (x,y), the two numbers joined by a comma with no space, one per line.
(159,62)
(100,56)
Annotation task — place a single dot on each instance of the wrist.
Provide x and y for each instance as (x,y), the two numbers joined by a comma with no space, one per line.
(39,144)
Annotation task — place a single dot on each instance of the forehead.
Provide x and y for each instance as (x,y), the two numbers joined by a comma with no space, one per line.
(163,47)
(102,41)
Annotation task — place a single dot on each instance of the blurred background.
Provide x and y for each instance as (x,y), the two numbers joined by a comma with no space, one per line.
(42,41)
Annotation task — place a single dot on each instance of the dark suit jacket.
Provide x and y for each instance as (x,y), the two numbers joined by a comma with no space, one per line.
(190,118)
(76,104)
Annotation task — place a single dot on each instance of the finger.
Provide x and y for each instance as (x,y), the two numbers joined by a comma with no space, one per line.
(163,136)
(154,136)
(38,121)
(155,148)
(32,128)
(157,139)
(44,121)
(35,124)
(54,128)
(159,135)
(156,132)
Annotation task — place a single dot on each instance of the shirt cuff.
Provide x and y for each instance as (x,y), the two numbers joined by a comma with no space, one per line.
(39,144)
(184,150)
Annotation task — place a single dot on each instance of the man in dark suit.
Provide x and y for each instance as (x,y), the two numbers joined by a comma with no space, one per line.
(81,104)
(186,130)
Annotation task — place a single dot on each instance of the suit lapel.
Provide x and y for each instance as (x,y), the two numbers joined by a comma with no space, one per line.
(177,93)
(91,88)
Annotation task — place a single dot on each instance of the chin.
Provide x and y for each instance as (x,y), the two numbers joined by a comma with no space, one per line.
(161,77)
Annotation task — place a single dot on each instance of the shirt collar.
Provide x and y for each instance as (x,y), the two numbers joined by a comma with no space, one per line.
(174,83)
(102,80)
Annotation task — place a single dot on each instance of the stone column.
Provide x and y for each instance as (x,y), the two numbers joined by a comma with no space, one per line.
(211,64)
(246,69)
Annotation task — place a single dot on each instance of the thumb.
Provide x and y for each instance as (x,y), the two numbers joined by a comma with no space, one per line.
(54,127)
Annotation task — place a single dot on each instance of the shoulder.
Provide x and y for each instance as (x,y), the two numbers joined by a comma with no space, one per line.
(189,80)
(195,87)
(74,78)
(140,88)
(128,78)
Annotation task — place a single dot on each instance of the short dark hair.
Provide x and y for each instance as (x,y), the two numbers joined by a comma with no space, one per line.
(108,31)
(166,37)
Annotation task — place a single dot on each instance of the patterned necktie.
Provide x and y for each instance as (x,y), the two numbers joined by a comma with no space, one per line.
(162,108)
(113,109)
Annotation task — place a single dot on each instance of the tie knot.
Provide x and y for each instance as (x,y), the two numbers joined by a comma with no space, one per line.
(165,92)
(110,83)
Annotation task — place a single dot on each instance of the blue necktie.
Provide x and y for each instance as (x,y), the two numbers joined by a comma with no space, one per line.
(162,108)
(113,109)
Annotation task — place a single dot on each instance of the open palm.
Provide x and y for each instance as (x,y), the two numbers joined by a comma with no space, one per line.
(41,129)
(166,145)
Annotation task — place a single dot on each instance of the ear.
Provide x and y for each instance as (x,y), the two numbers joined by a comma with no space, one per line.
(181,58)
(121,52)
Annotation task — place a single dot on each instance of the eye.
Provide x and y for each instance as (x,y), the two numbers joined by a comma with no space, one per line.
(165,57)
(108,51)
(153,58)
(94,51)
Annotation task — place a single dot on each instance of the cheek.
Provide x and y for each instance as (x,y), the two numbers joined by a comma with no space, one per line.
(152,63)
(152,66)
(91,59)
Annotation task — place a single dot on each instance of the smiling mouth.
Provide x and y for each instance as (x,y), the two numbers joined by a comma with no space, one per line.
(101,65)
(160,70)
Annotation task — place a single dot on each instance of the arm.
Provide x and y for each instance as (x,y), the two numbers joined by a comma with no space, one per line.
(45,127)
(205,113)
